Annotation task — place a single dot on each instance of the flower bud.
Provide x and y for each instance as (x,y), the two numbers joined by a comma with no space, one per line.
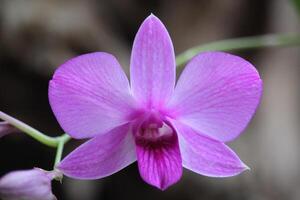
(6,128)
(34,184)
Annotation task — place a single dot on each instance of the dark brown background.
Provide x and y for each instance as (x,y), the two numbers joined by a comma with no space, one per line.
(36,36)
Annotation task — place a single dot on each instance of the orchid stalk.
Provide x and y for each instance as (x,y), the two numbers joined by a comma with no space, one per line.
(55,142)
(243,43)
(162,124)
(34,133)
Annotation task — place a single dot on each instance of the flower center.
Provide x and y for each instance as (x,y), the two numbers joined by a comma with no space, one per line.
(154,129)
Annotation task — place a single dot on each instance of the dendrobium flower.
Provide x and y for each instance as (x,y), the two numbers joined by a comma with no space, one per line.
(33,184)
(150,120)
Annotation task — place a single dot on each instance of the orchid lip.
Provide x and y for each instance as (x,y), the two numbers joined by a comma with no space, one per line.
(152,128)
(158,154)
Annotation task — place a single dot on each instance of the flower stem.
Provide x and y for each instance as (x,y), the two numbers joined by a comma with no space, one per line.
(252,42)
(60,147)
(56,142)
(39,136)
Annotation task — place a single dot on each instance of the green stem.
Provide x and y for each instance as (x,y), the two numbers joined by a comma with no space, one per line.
(60,147)
(56,142)
(271,40)
(39,136)
(59,152)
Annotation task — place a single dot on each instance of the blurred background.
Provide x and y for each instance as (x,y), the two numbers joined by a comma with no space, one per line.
(36,36)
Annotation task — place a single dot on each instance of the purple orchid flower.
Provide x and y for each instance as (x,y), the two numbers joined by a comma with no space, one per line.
(33,184)
(150,120)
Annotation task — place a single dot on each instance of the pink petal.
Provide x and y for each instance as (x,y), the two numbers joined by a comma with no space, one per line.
(90,95)
(152,68)
(101,156)
(217,94)
(207,156)
(159,162)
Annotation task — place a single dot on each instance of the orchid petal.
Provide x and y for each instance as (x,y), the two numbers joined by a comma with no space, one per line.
(90,95)
(217,94)
(207,156)
(101,156)
(159,162)
(152,68)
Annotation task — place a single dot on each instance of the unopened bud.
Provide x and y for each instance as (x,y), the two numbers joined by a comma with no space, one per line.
(6,128)
(34,184)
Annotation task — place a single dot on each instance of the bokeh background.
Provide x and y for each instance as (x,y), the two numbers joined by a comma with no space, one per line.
(36,36)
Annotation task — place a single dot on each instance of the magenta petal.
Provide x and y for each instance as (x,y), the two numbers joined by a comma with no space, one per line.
(152,69)
(101,156)
(207,156)
(90,95)
(217,94)
(159,162)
